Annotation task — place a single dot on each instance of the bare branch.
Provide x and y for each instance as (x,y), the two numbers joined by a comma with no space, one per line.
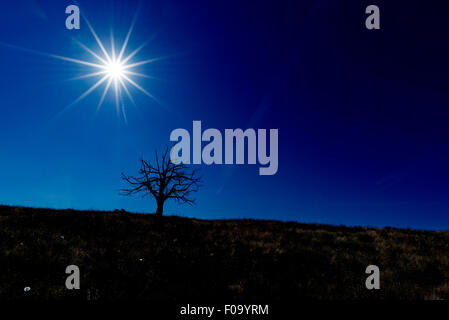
(166,180)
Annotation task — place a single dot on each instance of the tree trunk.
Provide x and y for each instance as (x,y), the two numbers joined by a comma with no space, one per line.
(160,208)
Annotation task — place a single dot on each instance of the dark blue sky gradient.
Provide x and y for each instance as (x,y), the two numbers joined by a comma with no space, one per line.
(362,115)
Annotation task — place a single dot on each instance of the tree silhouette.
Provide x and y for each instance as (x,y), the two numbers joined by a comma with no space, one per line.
(164,180)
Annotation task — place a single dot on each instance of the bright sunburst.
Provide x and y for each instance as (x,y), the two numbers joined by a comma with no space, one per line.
(113,69)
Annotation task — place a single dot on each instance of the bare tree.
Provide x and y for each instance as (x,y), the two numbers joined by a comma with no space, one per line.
(164,180)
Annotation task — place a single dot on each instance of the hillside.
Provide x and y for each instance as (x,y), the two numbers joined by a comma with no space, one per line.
(135,256)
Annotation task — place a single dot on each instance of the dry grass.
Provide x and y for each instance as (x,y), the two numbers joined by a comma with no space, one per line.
(135,256)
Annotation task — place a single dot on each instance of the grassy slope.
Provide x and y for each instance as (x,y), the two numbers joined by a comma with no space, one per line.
(190,259)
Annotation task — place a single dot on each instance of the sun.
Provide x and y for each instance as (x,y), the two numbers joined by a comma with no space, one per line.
(115,70)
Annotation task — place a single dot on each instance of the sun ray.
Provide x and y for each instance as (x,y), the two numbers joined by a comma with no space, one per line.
(100,44)
(104,94)
(87,92)
(139,87)
(138,74)
(116,97)
(89,75)
(81,97)
(128,35)
(126,90)
(86,63)
(40,53)
(141,63)
(90,51)
(112,47)
(123,109)
(132,54)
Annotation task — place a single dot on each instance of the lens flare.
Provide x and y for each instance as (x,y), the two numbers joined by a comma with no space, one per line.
(114,70)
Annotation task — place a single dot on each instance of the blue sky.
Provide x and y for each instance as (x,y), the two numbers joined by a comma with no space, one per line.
(362,115)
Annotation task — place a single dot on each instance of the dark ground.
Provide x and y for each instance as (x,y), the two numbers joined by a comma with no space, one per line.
(135,256)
